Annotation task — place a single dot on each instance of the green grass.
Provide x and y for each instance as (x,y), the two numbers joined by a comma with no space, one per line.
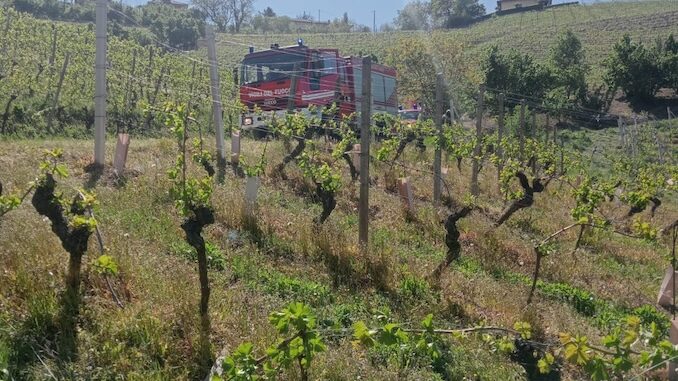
(259,268)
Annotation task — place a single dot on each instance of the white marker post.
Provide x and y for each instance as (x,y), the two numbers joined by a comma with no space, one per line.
(235,147)
(406,196)
(121,149)
(251,189)
(355,157)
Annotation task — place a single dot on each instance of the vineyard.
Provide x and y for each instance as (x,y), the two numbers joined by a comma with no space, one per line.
(599,26)
(509,250)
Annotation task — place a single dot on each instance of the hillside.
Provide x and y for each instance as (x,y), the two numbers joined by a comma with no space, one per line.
(442,291)
(257,269)
(598,25)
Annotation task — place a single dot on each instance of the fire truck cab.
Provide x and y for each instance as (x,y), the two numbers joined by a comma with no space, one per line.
(322,78)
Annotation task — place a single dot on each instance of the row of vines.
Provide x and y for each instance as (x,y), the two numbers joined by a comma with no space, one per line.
(42,94)
(524,164)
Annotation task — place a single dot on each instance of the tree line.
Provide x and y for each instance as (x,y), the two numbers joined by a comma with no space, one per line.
(181,26)
(560,83)
(436,14)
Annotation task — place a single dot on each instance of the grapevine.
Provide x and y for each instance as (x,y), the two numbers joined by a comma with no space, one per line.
(192,198)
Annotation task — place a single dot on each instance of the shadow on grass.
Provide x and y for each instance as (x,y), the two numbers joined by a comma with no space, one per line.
(94,171)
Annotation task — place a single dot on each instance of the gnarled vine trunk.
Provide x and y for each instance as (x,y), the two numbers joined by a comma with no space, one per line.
(451,240)
(74,241)
(301,145)
(328,202)
(193,226)
(524,202)
(656,203)
(351,167)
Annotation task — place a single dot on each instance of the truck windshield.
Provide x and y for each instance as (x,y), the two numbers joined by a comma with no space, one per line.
(270,67)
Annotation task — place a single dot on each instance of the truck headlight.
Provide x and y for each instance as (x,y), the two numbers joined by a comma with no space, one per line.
(247,121)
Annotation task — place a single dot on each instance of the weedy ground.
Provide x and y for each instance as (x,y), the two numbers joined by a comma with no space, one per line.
(260,265)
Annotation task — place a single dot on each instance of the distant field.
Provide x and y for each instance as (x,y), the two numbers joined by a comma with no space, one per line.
(599,26)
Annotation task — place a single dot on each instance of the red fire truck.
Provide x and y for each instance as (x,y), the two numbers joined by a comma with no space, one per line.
(322,76)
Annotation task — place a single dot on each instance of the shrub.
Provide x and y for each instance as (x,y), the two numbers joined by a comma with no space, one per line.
(634,69)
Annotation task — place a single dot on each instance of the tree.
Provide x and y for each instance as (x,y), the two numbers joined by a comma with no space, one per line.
(569,68)
(668,62)
(268,12)
(455,13)
(177,28)
(386,27)
(218,12)
(417,65)
(634,69)
(414,16)
(225,13)
(516,73)
(242,11)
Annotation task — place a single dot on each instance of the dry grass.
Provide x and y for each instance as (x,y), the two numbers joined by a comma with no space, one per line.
(280,256)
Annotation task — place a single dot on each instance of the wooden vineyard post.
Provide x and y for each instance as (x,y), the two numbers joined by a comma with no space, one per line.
(52,55)
(672,366)
(152,98)
(634,135)
(55,101)
(365,121)
(534,137)
(658,141)
(475,189)
(672,140)
(120,158)
(216,96)
(149,73)
(521,129)
(437,159)
(500,137)
(622,133)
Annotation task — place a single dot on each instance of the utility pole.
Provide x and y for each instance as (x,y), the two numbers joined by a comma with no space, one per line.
(216,95)
(100,84)
(365,122)
(374,21)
